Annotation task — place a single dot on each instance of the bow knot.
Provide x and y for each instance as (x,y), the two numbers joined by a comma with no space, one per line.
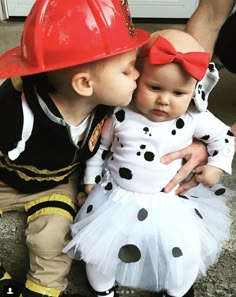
(163,52)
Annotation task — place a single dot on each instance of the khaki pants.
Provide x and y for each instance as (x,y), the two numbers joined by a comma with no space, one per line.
(50,214)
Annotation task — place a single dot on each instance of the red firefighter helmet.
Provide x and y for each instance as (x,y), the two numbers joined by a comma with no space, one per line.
(59,34)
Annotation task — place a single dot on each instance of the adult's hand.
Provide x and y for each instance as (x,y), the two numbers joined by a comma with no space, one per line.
(194,155)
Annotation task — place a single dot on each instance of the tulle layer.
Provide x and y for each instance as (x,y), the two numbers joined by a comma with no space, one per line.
(151,241)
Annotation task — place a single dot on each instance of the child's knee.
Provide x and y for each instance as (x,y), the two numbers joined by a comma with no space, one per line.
(48,234)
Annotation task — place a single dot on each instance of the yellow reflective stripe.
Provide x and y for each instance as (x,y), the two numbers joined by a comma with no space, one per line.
(6,276)
(50,210)
(35,169)
(42,290)
(52,197)
(37,178)
(50,177)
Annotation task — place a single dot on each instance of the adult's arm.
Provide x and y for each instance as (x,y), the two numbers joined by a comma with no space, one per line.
(207,20)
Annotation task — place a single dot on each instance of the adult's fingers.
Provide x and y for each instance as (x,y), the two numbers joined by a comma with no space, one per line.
(196,152)
(183,188)
(181,175)
(168,158)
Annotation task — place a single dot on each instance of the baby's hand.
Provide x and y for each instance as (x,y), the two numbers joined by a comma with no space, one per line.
(208,175)
(81,198)
(89,188)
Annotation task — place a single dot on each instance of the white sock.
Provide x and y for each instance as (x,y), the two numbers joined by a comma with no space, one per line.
(100,282)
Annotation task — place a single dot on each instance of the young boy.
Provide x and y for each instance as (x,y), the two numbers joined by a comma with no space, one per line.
(76,58)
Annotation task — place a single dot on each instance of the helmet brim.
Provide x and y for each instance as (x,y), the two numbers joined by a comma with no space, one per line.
(12,64)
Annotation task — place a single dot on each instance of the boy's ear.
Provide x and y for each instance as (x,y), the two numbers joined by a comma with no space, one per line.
(82,84)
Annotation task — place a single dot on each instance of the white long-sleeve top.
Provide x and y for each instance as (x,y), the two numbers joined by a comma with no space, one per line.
(137,144)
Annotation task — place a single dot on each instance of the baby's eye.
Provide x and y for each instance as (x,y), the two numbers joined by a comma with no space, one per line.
(178,93)
(155,88)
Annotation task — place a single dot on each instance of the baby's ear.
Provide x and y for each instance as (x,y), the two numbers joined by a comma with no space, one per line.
(82,84)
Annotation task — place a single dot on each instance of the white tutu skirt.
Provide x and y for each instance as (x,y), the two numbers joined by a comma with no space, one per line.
(151,241)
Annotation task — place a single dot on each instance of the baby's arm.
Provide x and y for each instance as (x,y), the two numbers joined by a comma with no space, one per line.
(220,146)
(94,166)
(208,175)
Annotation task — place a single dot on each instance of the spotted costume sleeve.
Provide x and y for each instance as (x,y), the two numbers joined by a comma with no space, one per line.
(94,166)
(219,140)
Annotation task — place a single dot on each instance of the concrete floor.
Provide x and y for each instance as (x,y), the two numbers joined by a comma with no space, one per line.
(221,279)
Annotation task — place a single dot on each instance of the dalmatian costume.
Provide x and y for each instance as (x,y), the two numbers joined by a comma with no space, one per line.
(128,227)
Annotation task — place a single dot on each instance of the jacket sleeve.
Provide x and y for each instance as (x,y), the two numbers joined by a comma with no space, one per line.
(95,165)
(219,139)
(11,116)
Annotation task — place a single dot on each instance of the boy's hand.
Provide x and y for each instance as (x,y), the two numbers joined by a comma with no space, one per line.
(194,155)
(81,198)
(208,175)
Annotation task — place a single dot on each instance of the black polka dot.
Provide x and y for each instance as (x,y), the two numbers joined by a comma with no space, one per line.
(129,253)
(184,197)
(142,146)
(230,133)
(226,140)
(142,214)
(194,196)
(125,173)
(220,192)
(145,129)
(120,115)
(177,252)
(89,208)
(179,123)
(138,154)
(198,213)
(205,137)
(203,95)
(211,67)
(173,132)
(104,154)
(149,156)
(97,179)
(108,187)
(215,153)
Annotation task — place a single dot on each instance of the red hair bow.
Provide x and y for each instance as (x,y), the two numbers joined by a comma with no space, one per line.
(163,52)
